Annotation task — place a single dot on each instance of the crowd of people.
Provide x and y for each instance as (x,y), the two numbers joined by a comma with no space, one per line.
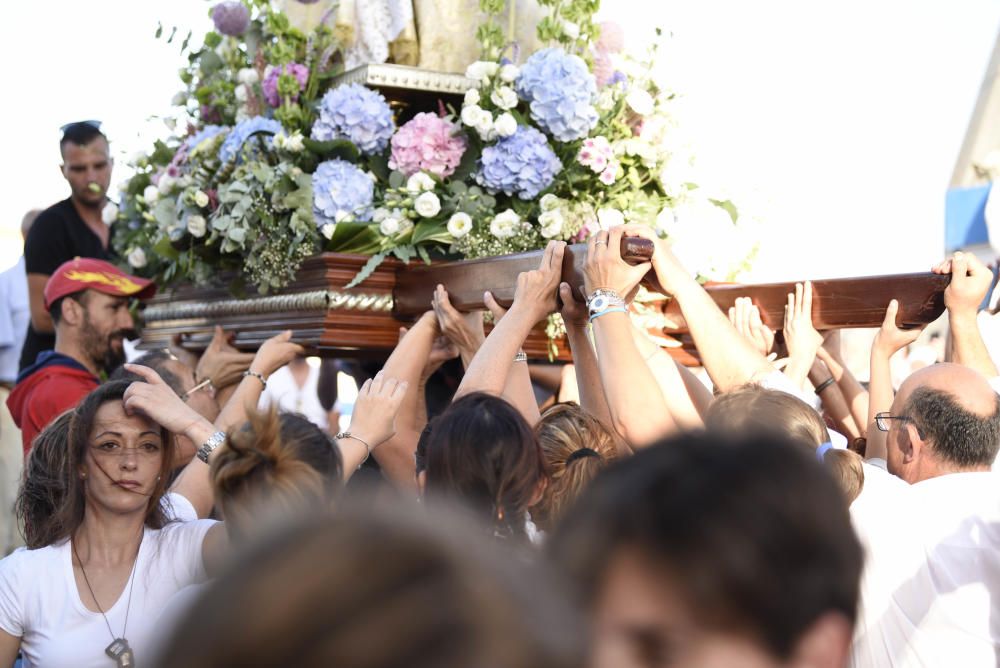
(788,516)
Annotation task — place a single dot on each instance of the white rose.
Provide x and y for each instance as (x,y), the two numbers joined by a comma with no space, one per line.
(459,224)
(491,68)
(179,99)
(327,230)
(504,97)
(504,225)
(137,258)
(418,183)
(201,199)
(427,205)
(665,221)
(571,29)
(137,157)
(151,194)
(471,113)
(248,76)
(484,125)
(109,213)
(550,202)
(608,218)
(505,125)
(481,69)
(389,226)
(472,97)
(380,214)
(551,223)
(509,72)
(640,101)
(196,225)
(166,184)
(241,93)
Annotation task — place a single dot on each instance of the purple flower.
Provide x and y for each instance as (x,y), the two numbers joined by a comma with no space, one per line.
(560,92)
(358,114)
(523,164)
(231,17)
(270,84)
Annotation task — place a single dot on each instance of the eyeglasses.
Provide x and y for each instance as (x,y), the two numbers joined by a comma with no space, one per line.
(882,420)
(203,385)
(94,124)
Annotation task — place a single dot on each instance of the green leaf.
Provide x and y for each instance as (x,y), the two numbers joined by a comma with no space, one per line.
(424,232)
(728,207)
(353,238)
(396,180)
(379,166)
(173,33)
(164,249)
(422,252)
(187,40)
(373,262)
(467,165)
(338,148)
(404,253)
(159,30)
(210,62)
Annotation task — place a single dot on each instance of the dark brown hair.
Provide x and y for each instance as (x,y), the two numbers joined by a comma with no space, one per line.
(380,588)
(275,464)
(576,446)
(481,452)
(751,531)
(70,513)
(757,409)
(43,485)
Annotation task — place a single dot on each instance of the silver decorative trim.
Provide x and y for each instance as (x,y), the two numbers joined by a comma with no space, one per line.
(316,300)
(409,78)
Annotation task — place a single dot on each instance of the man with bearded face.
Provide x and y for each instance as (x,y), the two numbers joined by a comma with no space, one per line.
(74,227)
(88,302)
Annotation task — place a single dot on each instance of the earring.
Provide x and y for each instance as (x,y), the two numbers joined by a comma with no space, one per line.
(83,476)
(158,478)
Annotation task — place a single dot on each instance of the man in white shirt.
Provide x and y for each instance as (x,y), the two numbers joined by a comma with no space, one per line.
(932,578)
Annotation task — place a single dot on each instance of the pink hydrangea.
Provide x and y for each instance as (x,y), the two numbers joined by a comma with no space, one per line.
(596,153)
(427,143)
(611,38)
(603,68)
(270,83)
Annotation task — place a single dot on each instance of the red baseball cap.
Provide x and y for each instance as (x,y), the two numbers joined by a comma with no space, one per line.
(85,273)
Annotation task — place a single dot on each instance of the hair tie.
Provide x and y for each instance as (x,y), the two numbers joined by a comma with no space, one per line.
(822,450)
(580,454)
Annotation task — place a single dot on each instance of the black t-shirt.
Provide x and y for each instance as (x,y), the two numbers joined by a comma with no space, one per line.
(58,235)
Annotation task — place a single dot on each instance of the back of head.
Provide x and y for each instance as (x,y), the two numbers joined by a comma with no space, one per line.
(274,466)
(750,533)
(754,409)
(379,589)
(481,452)
(43,484)
(958,436)
(576,446)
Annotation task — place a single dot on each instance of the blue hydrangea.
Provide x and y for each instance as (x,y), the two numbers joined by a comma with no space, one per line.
(560,91)
(358,114)
(523,164)
(233,142)
(341,191)
(206,133)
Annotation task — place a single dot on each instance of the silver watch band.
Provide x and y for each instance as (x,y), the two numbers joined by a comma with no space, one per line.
(209,446)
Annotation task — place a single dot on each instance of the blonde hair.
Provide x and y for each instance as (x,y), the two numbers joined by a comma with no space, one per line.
(273,467)
(754,408)
(575,446)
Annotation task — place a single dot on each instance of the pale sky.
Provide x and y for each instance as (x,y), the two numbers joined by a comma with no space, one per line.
(842,120)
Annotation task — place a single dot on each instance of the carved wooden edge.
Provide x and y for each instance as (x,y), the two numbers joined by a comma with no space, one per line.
(408,78)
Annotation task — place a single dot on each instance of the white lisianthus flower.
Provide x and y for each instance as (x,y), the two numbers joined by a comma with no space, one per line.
(504,97)
(505,125)
(166,184)
(201,199)
(278,141)
(248,76)
(293,143)
(504,225)
(484,126)
(137,157)
(179,99)
(550,202)
(380,214)
(137,258)
(109,213)
(241,93)
(471,113)
(608,218)
(389,226)
(327,230)
(151,194)
(481,69)
(459,224)
(571,30)
(427,205)
(551,223)
(419,182)
(197,226)
(665,221)
(509,72)
(472,97)
(640,101)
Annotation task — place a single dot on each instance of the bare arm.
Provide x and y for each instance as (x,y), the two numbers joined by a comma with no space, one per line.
(373,423)
(687,397)
(801,336)
(41,321)
(970,281)
(833,400)
(854,394)
(588,373)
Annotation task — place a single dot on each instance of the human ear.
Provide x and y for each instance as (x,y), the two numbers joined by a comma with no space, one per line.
(72,311)
(911,443)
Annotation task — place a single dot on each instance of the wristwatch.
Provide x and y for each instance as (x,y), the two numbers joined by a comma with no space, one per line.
(209,446)
(602,299)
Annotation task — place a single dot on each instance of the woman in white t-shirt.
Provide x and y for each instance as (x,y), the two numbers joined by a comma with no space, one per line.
(91,594)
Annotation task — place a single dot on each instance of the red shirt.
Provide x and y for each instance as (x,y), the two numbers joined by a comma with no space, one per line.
(45,390)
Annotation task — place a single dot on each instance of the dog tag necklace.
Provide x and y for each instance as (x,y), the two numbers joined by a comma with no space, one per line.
(119,649)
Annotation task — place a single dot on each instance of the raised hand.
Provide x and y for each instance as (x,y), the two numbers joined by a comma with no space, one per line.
(465,330)
(970,282)
(574,311)
(745,317)
(374,417)
(275,353)
(153,398)
(670,273)
(221,362)
(889,339)
(536,289)
(801,336)
(605,267)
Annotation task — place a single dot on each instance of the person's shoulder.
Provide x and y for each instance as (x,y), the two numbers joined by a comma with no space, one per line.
(25,562)
(56,215)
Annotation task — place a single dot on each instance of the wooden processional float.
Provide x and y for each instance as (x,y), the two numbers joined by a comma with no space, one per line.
(333,321)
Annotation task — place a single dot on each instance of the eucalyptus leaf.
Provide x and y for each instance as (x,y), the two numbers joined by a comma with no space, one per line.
(396,180)
(210,62)
(337,148)
(373,262)
(467,165)
(728,207)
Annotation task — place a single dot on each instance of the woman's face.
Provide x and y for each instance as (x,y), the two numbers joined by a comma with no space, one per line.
(641,621)
(123,459)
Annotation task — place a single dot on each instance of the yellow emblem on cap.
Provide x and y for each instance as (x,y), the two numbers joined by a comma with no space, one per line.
(122,283)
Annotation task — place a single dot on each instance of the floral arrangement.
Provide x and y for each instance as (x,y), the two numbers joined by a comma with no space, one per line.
(276,164)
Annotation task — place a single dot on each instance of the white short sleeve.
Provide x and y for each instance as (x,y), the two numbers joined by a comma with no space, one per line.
(182,542)
(177,507)
(11,587)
